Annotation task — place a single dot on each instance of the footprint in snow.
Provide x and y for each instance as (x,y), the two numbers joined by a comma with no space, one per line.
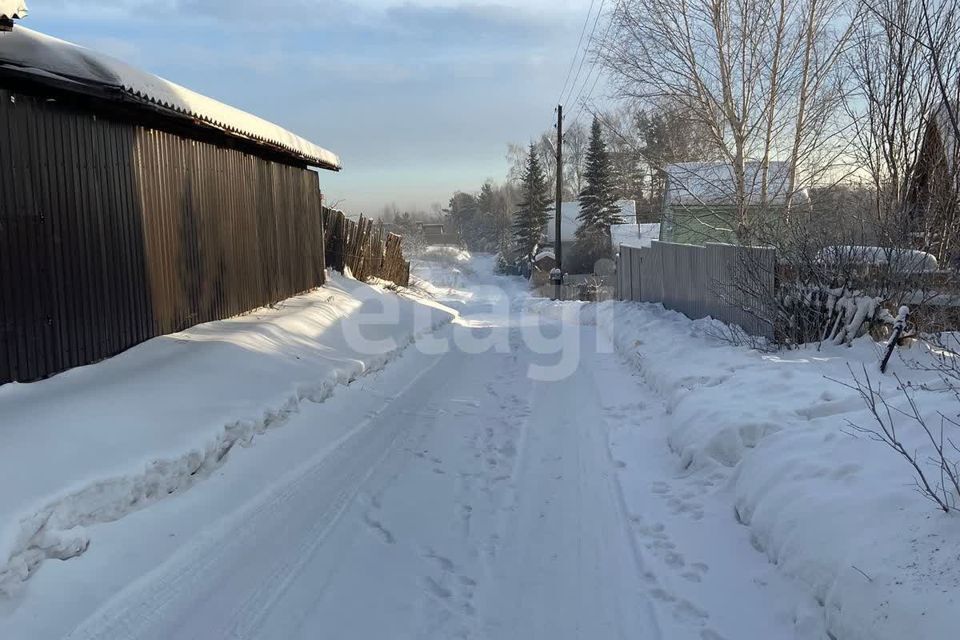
(685,611)
(377,528)
(436,589)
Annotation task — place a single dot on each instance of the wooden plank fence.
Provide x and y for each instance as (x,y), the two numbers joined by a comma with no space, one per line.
(364,248)
(729,283)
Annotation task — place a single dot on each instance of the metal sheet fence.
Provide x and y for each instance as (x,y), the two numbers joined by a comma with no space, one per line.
(730,283)
(112,233)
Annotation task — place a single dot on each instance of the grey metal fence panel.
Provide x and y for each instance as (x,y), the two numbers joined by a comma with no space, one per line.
(731,283)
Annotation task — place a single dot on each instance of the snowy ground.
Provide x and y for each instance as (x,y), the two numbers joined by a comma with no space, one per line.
(530,470)
(828,505)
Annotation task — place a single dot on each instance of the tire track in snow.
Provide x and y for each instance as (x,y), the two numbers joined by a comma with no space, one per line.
(57,530)
(565,568)
(483,498)
(171,595)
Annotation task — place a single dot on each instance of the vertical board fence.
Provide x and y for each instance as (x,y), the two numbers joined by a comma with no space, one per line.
(729,283)
(112,233)
(364,248)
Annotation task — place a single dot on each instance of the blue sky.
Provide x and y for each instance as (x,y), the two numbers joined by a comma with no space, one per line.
(419,98)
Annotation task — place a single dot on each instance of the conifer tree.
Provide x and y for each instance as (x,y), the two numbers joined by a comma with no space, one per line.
(598,202)
(532,214)
(463,214)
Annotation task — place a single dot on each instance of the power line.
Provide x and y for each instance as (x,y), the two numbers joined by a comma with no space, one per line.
(583,58)
(593,68)
(582,106)
(576,54)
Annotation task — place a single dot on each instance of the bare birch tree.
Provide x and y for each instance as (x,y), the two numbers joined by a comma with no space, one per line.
(904,68)
(761,77)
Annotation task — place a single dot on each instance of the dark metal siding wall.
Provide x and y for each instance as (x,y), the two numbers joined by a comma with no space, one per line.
(111,234)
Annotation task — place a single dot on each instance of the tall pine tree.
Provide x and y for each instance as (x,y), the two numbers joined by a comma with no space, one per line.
(598,202)
(462,215)
(532,215)
(487,222)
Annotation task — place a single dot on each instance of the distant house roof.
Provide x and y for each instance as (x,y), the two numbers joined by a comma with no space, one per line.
(569,222)
(639,236)
(713,183)
(545,254)
(48,59)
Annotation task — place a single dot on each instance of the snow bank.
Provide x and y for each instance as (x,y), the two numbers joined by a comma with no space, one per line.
(441,272)
(838,512)
(446,255)
(96,443)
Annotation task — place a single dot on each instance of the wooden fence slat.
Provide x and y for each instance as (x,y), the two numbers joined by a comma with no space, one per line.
(361,247)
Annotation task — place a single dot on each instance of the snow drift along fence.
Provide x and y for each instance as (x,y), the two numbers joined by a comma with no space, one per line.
(364,248)
(702,281)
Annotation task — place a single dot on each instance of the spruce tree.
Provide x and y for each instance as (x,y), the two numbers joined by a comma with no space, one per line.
(487,206)
(532,215)
(598,202)
(463,215)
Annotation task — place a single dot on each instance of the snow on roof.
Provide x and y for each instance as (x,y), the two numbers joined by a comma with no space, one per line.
(41,55)
(639,236)
(13,9)
(703,183)
(569,223)
(546,253)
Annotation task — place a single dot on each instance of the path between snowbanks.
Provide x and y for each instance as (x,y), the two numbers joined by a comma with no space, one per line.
(837,512)
(96,443)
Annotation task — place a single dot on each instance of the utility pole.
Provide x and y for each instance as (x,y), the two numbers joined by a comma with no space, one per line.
(557,245)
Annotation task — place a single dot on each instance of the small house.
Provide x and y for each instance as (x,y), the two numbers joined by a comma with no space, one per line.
(700,201)
(570,222)
(437,234)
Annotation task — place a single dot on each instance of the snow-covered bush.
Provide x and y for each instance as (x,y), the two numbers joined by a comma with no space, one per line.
(838,278)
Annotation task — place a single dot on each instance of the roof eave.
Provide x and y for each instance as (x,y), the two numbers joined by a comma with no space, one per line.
(120,95)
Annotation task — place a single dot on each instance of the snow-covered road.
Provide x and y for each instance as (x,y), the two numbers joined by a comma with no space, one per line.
(455,495)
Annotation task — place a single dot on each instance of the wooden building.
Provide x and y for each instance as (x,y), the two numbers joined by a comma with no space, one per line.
(435,234)
(131,207)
